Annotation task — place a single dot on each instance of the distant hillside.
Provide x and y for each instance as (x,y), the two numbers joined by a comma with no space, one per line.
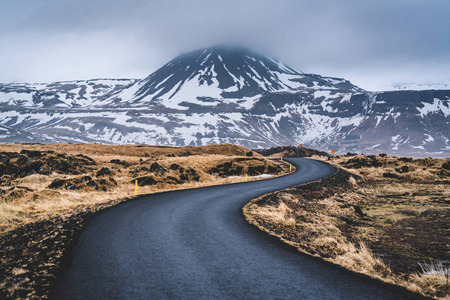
(291,151)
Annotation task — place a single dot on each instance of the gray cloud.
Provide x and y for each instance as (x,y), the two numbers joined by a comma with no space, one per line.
(372,43)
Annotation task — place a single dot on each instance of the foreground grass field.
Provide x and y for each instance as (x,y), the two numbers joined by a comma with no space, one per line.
(37,181)
(386,217)
(49,192)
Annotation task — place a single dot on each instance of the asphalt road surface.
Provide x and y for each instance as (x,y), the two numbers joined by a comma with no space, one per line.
(195,244)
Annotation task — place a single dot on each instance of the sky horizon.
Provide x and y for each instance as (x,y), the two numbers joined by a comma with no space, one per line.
(374,45)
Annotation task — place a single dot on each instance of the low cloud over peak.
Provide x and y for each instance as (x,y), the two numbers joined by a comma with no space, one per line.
(373,44)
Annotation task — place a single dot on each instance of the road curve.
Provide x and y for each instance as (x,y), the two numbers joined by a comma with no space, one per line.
(195,244)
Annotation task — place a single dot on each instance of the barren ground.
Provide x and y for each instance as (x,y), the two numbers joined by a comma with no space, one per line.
(386,217)
(48,193)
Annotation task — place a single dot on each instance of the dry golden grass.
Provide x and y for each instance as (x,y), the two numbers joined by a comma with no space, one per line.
(18,271)
(320,236)
(417,169)
(29,199)
(361,259)
(353,181)
(128,151)
(9,213)
(432,279)
(402,216)
(66,187)
(281,214)
(44,202)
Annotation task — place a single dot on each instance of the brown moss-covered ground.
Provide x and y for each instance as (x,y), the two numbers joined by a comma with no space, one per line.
(49,192)
(388,218)
(33,255)
(290,151)
(37,183)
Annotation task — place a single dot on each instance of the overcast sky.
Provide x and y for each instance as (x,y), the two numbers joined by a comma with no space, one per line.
(373,43)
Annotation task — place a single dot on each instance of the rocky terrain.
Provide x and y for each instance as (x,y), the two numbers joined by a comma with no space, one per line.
(291,151)
(383,216)
(48,193)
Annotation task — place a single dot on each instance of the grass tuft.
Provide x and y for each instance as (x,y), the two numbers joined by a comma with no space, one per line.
(433,279)
(362,259)
(281,214)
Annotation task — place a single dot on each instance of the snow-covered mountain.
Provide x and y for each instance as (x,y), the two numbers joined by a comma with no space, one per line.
(224,74)
(225,94)
(422,86)
(65,94)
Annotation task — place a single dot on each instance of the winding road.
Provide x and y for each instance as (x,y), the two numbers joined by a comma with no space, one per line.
(195,244)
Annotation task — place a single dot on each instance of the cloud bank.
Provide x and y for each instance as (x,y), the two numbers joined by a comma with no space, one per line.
(374,44)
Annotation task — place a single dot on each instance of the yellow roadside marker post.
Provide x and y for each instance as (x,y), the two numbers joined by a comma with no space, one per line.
(246,177)
(135,187)
(290,168)
(281,158)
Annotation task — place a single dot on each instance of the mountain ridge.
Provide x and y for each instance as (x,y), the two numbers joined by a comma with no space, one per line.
(222,74)
(231,95)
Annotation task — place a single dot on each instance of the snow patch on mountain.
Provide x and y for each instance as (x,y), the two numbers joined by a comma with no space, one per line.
(65,94)
(422,86)
(438,105)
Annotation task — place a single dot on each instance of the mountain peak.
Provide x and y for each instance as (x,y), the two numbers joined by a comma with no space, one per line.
(225,72)
(231,54)
(224,49)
